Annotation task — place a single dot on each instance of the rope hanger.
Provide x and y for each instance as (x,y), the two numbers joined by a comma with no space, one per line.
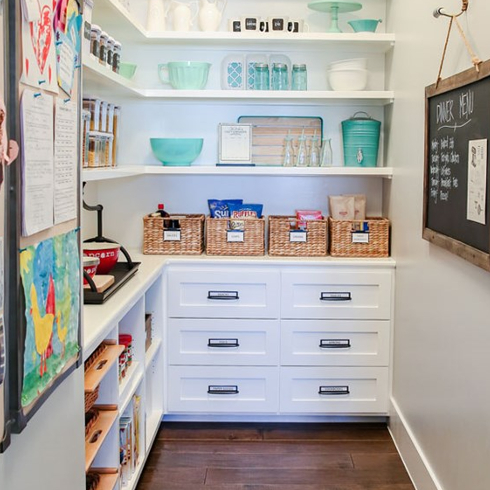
(454,20)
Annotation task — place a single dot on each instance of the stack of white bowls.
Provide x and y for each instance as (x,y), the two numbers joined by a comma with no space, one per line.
(348,75)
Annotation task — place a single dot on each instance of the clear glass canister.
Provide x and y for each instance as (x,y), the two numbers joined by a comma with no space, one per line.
(261,76)
(110,52)
(299,77)
(115,132)
(116,57)
(103,48)
(95,32)
(280,79)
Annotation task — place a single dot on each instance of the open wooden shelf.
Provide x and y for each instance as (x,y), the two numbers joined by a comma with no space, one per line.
(108,478)
(95,373)
(108,414)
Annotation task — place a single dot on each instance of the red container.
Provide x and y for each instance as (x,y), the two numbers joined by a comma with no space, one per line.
(106,252)
(90,265)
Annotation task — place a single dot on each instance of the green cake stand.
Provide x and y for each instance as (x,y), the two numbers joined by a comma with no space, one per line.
(335,8)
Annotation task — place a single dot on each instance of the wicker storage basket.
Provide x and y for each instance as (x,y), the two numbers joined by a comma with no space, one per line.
(91,398)
(190,241)
(282,235)
(217,237)
(377,238)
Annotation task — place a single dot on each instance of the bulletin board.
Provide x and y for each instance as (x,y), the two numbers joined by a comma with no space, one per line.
(44,204)
(456,184)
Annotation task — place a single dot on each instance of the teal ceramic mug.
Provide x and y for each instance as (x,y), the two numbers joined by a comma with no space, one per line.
(184,75)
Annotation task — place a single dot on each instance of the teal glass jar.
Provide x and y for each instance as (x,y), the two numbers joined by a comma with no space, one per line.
(299,77)
(262,76)
(280,79)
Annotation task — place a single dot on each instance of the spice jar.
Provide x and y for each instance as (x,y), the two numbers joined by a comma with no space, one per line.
(103,48)
(280,76)
(261,76)
(110,52)
(95,32)
(116,56)
(299,77)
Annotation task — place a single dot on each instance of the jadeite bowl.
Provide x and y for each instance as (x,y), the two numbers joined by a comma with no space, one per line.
(127,70)
(184,75)
(177,152)
(364,25)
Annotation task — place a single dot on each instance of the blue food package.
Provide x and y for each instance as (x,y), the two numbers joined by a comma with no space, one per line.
(246,210)
(221,208)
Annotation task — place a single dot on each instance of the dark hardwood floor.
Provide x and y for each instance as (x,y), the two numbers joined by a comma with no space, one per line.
(274,457)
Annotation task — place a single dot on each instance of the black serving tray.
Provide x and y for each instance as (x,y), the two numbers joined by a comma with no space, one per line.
(122,272)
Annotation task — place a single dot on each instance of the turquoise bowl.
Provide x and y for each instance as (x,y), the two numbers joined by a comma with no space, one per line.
(364,25)
(176,152)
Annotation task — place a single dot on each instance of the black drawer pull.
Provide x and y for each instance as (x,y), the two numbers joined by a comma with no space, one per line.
(223,390)
(333,390)
(223,343)
(330,296)
(223,295)
(335,344)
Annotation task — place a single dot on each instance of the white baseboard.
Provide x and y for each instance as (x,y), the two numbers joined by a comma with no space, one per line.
(414,459)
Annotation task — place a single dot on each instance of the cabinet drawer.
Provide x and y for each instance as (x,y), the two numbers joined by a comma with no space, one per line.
(207,389)
(234,293)
(334,390)
(335,343)
(223,342)
(334,294)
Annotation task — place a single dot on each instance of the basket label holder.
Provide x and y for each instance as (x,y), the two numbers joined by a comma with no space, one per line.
(233,236)
(360,232)
(298,236)
(171,235)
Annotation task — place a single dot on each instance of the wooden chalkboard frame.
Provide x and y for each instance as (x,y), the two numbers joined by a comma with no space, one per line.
(457,247)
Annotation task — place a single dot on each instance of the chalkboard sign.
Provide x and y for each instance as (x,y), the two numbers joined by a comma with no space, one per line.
(456,188)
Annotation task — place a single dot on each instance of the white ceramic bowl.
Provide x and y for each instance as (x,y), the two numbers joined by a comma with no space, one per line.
(352,64)
(347,80)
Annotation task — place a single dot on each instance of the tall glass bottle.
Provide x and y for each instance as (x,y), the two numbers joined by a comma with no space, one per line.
(288,160)
(302,156)
(327,155)
(314,156)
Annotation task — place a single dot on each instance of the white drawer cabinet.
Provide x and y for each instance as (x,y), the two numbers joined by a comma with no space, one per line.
(335,342)
(283,339)
(328,293)
(233,342)
(209,389)
(334,390)
(233,293)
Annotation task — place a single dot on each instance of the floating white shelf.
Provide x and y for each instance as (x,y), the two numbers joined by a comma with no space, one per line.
(121,23)
(100,80)
(90,175)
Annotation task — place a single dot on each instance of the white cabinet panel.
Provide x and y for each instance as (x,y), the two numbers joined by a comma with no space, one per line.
(336,294)
(335,343)
(223,342)
(207,389)
(327,390)
(234,293)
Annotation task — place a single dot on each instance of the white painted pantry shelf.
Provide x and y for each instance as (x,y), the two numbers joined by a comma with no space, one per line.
(98,78)
(121,23)
(96,174)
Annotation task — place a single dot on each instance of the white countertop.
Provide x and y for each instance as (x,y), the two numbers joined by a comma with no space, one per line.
(99,320)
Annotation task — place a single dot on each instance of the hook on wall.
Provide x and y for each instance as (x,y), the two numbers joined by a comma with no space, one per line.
(441,11)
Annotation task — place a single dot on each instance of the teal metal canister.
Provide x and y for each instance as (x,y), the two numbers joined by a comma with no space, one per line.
(361,140)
